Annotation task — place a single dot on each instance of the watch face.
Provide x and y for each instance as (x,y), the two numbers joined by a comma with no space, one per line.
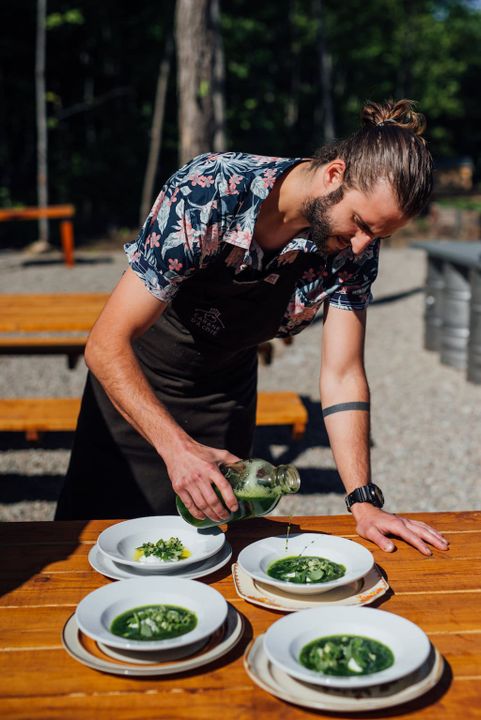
(376,495)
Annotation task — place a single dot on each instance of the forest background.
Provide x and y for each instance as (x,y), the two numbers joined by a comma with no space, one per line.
(132,90)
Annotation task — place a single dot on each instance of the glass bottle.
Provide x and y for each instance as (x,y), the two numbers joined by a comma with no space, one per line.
(257,485)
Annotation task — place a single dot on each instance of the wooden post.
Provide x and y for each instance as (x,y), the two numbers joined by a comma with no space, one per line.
(66,236)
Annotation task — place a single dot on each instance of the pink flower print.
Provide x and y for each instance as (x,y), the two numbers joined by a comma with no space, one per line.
(186,234)
(234,180)
(239,237)
(175,265)
(309,275)
(269,177)
(201,180)
(210,240)
(153,240)
(173,197)
(135,256)
(287,258)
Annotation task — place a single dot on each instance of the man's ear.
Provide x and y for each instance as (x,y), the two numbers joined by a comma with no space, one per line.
(334,174)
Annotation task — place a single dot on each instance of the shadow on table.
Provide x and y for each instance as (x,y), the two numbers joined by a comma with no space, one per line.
(28,549)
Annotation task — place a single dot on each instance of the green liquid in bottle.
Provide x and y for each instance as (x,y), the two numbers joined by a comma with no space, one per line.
(258,487)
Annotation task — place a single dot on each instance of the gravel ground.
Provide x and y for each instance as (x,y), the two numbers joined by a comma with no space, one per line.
(426,418)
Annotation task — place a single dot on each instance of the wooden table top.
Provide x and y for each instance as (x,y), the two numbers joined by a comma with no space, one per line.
(57,312)
(44,573)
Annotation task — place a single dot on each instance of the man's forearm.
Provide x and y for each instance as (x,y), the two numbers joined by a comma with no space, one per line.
(349,428)
(117,369)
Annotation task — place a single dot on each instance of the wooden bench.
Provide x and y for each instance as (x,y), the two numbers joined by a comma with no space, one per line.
(64,213)
(34,416)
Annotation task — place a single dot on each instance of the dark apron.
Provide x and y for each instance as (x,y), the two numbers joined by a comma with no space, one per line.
(200,358)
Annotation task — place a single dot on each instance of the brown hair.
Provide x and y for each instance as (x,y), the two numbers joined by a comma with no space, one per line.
(388,145)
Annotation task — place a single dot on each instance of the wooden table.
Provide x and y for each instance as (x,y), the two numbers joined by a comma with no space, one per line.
(45,573)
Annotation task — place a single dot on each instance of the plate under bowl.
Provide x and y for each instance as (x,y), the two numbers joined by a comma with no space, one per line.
(285,639)
(120,541)
(95,613)
(256,558)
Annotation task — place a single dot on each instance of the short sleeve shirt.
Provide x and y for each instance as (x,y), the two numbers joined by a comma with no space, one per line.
(215,199)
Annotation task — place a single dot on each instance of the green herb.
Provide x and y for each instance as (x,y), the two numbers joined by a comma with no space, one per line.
(305,569)
(346,655)
(171,549)
(154,622)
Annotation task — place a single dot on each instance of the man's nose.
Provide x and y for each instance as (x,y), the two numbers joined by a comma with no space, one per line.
(360,242)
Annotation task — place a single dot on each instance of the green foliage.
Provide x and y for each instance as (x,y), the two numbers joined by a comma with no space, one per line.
(102,67)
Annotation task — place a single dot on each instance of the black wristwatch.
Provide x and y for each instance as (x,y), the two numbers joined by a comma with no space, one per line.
(367,493)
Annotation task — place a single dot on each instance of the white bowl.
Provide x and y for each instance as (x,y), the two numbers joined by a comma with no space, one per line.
(285,639)
(119,541)
(96,612)
(256,558)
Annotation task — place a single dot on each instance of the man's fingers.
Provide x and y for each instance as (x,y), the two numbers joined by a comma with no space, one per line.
(191,506)
(207,502)
(377,537)
(429,534)
(226,491)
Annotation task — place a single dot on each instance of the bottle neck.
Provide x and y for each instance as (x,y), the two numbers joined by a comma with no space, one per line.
(288,478)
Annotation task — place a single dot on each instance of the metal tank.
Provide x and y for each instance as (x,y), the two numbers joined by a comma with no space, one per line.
(456,315)
(433,303)
(474,346)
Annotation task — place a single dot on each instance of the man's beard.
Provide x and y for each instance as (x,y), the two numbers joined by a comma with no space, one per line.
(315,210)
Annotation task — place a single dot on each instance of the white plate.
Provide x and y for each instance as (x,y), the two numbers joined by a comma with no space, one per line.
(105,566)
(99,608)
(256,558)
(285,639)
(233,631)
(120,541)
(368,700)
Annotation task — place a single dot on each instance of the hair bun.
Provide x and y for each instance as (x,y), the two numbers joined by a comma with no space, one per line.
(400,113)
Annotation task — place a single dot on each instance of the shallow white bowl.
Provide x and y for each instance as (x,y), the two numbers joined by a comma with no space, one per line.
(285,639)
(256,558)
(119,541)
(95,613)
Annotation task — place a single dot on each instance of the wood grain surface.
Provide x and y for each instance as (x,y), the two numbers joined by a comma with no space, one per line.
(44,573)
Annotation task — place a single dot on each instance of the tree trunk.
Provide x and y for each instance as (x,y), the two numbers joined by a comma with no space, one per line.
(196,48)
(41,109)
(156,129)
(325,74)
(219,140)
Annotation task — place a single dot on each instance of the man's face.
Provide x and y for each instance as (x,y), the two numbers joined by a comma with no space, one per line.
(351,218)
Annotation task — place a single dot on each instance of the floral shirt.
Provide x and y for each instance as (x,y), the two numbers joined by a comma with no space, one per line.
(214,200)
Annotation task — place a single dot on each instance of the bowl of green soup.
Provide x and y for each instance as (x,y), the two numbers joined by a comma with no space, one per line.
(151,613)
(306,563)
(346,647)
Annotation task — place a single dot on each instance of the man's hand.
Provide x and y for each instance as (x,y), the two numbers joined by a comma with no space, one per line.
(375,524)
(193,471)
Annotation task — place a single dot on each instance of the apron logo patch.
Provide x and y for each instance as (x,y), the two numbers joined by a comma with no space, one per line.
(272,278)
(208,320)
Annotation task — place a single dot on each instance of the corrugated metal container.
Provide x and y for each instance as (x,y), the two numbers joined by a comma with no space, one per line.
(433,304)
(474,346)
(456,315)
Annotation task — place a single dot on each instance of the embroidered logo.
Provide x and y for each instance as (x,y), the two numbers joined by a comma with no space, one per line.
(272,278)
(208,320)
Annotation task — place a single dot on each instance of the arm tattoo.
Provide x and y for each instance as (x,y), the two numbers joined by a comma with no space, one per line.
(346,406)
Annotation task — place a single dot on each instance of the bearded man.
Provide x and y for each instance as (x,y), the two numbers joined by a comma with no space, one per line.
(239,249)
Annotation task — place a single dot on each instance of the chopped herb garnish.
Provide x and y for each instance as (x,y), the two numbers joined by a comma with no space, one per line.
(346,655)
(306,569)
(154,622)
(167,550)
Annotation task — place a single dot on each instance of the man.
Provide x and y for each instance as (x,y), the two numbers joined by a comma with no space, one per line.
(238,249)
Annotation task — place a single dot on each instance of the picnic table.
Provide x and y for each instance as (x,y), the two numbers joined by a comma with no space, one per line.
(45,573)
(48,323)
